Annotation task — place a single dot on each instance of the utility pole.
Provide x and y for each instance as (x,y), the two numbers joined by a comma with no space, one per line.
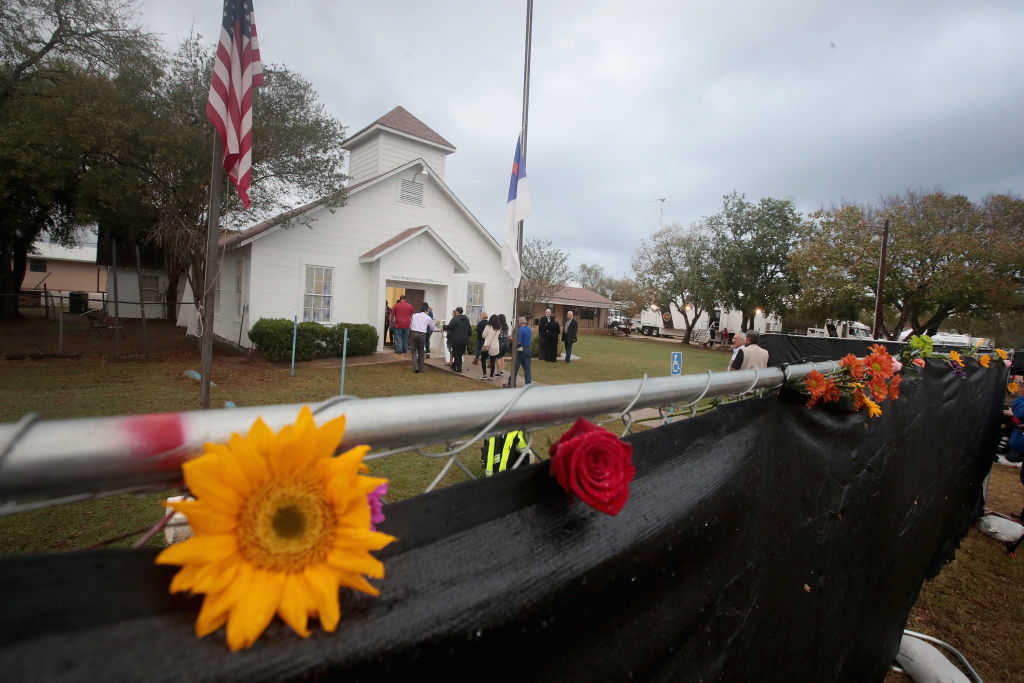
(881,282)
(661,212)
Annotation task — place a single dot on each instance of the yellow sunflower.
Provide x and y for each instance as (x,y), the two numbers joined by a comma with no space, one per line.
(984,360)
(1002,354)
(278,525)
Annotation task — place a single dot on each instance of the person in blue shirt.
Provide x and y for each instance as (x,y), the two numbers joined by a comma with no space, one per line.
(524,338)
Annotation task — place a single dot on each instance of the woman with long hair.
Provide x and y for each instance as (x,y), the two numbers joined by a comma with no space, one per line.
(504,343)
(491,344)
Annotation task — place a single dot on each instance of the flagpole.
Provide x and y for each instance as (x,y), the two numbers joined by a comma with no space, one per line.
(209,276)
(526,120)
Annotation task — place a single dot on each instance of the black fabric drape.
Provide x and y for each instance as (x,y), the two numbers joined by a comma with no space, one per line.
(762,541)
(794,348)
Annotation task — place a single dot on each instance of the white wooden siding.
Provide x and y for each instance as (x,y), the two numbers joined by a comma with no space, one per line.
(363,161)
(395,151)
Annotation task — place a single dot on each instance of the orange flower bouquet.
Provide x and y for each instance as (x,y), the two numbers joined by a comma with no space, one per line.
(865,382)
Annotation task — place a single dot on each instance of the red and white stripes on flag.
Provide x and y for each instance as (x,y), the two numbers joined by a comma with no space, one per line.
(236,71)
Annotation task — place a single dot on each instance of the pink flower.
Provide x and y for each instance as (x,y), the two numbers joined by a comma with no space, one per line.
(896,364)
(919,362)
(1007,361)
(376,505)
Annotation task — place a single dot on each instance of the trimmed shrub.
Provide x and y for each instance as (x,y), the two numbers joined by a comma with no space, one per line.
(362,339)
(273,338)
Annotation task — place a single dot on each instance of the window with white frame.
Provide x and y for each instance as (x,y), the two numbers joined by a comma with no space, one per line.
(239,266)
(319,290)
(474,300)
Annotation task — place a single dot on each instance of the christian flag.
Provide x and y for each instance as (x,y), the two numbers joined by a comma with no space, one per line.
(237,70)
(517,208)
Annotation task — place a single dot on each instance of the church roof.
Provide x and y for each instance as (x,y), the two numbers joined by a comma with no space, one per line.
(400,120)
(578,296)
(407,235)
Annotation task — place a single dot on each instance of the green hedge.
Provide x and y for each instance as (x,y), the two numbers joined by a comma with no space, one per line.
(273,337)
(362,339)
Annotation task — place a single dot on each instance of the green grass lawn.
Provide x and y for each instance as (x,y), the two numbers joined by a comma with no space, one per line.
(603,357)
(94,387)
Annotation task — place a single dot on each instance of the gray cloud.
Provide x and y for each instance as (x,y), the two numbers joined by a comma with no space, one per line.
(639,100)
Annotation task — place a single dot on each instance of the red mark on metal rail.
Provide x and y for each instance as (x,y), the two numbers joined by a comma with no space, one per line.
(160,436)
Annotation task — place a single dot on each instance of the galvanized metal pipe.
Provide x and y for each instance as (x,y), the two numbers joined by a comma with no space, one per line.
(93,455)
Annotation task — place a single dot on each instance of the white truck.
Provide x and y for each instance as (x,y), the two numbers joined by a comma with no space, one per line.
(843,329)
(650,321)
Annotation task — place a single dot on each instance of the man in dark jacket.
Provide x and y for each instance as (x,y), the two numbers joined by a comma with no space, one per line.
(458,336)
(548,329)
(569,335)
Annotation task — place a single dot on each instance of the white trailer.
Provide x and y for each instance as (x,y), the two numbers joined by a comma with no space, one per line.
(650,321)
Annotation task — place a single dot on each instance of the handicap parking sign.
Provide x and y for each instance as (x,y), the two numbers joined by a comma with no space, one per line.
(677,362)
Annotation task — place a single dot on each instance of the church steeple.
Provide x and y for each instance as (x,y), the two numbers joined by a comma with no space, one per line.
(392,140)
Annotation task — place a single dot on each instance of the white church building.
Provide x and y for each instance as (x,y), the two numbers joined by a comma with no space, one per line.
(402,230)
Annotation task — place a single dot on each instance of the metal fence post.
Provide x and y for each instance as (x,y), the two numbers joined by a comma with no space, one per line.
(344,355)
(295,334)
(60,323)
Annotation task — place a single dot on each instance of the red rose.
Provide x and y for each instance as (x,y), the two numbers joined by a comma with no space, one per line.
(594,465)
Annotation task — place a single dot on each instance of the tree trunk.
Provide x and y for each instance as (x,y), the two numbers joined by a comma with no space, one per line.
(13,264)
(171,296)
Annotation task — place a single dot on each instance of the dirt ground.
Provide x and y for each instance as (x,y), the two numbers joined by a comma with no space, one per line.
(34,333)
(976,604)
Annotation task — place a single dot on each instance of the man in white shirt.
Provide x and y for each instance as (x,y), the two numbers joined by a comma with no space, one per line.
(736,361)
(420,329)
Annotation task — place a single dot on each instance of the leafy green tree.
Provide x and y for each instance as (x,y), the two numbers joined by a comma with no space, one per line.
(51,53)
(946,257)
(751,253)
(675,267)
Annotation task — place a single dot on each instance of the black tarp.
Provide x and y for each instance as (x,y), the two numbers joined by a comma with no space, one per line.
(795,348)
(762,541)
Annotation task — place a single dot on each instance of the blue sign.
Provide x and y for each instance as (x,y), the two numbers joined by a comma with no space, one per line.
(677,362)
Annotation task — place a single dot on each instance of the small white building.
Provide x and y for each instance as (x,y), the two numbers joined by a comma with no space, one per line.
(401,231)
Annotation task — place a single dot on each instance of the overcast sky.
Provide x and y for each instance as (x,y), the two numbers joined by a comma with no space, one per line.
(816,101)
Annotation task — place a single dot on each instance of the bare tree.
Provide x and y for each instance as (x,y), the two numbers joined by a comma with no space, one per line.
(545,271)
(590,276)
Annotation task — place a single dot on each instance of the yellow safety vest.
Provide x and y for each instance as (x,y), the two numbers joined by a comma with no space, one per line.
(511,439)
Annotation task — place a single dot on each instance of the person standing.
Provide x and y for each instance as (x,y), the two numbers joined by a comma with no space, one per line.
(430,312)
(421,327)
(753,355)
(403,318)
(387,321)
(480,327)
(736,361)
(524,340)
(569,335)
(548,330)
(492,345)
(458,336)
(505,343)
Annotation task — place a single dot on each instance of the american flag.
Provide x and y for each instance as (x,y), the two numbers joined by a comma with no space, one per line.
(236,71)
